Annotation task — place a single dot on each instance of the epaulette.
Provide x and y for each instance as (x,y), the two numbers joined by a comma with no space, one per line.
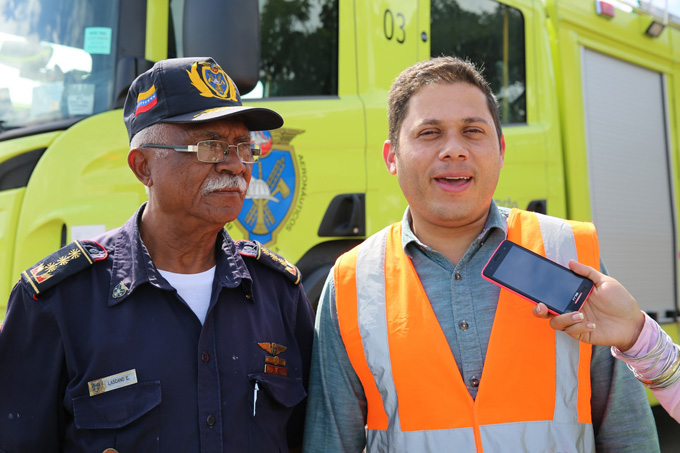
(254,249)
(61,264)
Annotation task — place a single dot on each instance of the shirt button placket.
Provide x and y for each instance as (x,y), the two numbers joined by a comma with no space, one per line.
(208,389)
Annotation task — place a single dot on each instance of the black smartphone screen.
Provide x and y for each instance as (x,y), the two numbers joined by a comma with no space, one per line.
(537,278)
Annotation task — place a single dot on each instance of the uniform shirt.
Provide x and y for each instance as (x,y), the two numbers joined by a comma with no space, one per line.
(465,306)
(195,387)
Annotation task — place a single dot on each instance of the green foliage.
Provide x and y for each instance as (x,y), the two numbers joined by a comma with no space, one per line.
(478,35)
(299,47)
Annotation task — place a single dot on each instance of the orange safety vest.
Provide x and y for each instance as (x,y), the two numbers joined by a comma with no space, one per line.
(534,394)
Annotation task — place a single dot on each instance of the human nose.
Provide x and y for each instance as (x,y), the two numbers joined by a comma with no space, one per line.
(454,148)
(232,163)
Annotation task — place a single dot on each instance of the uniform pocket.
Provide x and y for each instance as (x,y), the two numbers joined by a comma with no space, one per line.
(284,390)
(272,405)
(126,418)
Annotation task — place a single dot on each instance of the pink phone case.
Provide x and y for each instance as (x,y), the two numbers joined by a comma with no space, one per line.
(523,296)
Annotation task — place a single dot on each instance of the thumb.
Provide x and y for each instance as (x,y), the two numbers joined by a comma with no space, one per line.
(586,271)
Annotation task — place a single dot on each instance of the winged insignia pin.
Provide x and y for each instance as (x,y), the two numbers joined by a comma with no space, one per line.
(273,348)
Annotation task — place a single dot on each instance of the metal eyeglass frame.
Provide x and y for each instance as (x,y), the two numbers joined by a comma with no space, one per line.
(255,149)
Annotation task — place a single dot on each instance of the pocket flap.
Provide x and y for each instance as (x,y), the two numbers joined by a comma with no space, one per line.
(287,391)
(116,408)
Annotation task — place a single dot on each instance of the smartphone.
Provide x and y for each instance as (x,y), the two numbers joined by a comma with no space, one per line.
(536,278)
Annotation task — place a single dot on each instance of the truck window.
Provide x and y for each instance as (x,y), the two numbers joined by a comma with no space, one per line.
(57,60)
(299,49)
(491,35)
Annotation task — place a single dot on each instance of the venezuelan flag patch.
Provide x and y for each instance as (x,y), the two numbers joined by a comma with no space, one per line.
(146,100)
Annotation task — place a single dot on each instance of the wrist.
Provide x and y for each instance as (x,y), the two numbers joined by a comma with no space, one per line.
(635,331)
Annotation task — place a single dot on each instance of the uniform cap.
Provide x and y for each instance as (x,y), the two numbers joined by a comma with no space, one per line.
(189,90)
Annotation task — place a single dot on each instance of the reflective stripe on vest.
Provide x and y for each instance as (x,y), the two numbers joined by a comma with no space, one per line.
(417,400)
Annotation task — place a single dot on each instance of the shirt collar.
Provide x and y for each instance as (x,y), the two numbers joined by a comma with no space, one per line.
(132,264)
(231,269)
(497,218)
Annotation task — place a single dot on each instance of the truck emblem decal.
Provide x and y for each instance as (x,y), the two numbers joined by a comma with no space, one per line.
(273,186)
(212,82)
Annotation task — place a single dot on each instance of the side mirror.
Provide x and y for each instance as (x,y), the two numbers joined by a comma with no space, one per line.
(127,70)
(228,31)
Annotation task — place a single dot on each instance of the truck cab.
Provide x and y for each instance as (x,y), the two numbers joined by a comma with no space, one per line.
(588,101)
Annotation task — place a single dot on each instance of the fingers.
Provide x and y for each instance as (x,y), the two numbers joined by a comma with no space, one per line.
(568,321)
(579,330)
(586,271)
(573,324)
(541,311)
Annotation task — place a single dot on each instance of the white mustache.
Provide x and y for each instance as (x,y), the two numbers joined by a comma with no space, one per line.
(224,182)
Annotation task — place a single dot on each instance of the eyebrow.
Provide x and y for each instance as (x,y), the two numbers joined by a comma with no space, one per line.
(468,120)
(212,135)
(475,119)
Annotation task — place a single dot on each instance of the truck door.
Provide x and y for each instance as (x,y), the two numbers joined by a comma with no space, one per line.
(629,170)
(507,42)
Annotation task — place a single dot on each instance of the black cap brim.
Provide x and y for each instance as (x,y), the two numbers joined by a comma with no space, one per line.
(254,118)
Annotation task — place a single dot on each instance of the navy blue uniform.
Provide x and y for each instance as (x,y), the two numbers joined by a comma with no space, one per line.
(69,360)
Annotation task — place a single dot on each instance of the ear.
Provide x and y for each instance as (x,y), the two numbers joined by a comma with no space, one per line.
(138,161)
(390,157)
(502,150)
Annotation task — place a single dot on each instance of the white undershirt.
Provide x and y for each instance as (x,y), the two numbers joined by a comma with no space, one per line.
(195,289)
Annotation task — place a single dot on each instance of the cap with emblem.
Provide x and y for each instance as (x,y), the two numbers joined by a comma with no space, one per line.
(188,90)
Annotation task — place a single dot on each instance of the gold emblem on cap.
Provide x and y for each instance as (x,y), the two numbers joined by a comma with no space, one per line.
(223,86)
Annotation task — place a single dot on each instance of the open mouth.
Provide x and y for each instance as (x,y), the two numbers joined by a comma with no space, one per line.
(454,181)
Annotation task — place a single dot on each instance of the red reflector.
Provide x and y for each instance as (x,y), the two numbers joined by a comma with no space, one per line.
(604,9)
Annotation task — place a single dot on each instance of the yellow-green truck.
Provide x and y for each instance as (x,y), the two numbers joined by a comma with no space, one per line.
(589,94)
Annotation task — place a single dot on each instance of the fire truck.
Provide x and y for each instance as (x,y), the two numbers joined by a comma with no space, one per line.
(589,94)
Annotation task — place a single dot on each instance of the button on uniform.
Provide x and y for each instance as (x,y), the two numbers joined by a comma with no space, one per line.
(474,382)
(210,421)
(463,325)
(458,276)
(205,357)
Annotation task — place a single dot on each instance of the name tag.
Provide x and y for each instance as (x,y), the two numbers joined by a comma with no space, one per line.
(112,382)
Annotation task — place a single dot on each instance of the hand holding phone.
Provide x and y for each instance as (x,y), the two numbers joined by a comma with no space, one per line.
(537,278)
(618,315)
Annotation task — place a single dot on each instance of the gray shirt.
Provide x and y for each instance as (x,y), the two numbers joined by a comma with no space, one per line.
(465,306)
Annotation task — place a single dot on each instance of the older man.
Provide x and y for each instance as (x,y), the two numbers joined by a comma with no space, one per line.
(164,334)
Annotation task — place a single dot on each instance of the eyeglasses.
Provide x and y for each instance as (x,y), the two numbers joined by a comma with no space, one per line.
(214,151)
